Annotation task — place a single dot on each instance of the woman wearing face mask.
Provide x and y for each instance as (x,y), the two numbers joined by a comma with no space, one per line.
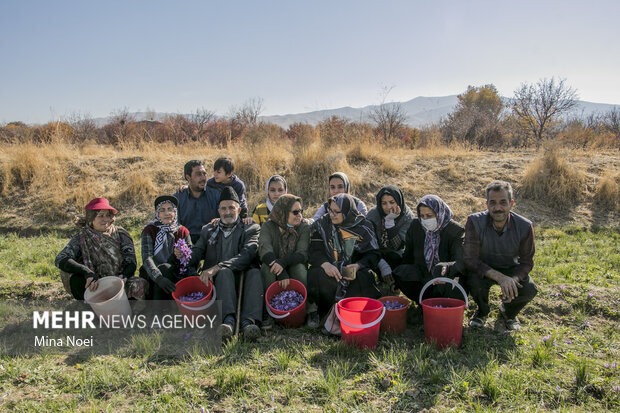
(338,183)
(343,249)
(433,248)
(391,219)
(276,187)
(283,249)
(161,259)
(100,249)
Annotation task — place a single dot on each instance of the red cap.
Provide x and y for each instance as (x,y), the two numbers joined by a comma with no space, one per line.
(99,203)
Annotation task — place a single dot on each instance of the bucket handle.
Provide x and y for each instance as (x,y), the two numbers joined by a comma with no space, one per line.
(204,307)
(448,280)
(369,325)
(275,315)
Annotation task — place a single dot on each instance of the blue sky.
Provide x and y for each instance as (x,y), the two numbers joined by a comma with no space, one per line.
(64,57)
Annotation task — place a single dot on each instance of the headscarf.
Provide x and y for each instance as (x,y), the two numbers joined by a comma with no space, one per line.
(274,178)
(345,179)
(351,216)
(279,215)
(405,212)
(101,251)
(355,233)
(432,238)
(164,240)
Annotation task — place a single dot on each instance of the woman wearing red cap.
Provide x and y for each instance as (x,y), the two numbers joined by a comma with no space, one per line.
(99,250)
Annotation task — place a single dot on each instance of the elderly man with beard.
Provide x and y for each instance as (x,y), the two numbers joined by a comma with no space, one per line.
(197,202)
(499,249)
(228,248)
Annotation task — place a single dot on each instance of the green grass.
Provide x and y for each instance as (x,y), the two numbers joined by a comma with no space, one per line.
(562,360)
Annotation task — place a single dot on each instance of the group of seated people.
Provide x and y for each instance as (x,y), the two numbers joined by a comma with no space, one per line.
(343,251)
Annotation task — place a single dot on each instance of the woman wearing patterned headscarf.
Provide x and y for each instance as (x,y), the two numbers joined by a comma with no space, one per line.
(283,247)
(160,258)
(339,183)
(343,249)
(100,249)
(276,187)
(433,248)
(391,219)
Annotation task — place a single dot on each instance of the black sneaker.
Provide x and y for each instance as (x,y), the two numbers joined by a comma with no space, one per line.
(227,327)
(267,323)
(314,321)
(250,330)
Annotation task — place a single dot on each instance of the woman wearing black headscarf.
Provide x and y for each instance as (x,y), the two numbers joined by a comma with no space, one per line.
(343,249)
(434,248)
(391,219)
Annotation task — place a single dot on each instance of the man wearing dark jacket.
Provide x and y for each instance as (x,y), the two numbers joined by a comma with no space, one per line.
(228,249)
(499,249)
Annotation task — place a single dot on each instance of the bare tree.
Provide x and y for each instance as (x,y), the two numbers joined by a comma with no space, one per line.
(247,115)
(389,117)
(198,122)
(536,106)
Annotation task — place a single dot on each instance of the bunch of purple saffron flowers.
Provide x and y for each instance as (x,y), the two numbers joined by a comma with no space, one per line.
(191,297)
(187,254)
(286,300)
(393,305)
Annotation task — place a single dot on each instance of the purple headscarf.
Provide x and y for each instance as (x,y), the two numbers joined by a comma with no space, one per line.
(432,238)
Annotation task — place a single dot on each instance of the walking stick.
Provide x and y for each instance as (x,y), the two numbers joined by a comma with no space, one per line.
(241,279)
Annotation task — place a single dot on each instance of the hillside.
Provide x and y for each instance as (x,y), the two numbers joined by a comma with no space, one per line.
(44,186)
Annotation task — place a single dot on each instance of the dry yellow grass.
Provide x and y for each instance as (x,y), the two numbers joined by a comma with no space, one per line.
(45,184)
(552,179)
(608,192)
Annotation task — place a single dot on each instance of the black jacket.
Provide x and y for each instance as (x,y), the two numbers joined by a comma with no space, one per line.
(450,248)
(245,240)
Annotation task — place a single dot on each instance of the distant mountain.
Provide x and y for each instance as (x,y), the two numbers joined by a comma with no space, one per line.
(420,111)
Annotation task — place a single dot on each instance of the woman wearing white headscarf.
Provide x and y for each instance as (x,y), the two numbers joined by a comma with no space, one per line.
(433,248)
(275,188)
(161,259)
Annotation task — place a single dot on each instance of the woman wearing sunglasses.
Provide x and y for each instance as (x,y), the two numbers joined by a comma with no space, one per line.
(343,249)
(283,249)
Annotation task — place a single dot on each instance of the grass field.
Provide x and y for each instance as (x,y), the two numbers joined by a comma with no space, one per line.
(564,359)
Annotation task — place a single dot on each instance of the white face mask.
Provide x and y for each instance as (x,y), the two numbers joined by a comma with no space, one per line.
(429,224)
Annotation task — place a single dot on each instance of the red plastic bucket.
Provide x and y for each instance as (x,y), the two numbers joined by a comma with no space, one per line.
(395,321)
(291,318)
(192,285)
(360,320)
(443,317)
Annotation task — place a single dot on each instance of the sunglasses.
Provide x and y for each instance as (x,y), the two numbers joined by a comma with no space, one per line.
(297,211)
(332,212)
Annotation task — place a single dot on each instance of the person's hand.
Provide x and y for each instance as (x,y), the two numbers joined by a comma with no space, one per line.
(214,222)
(182,188)
(352,269)
(439,270)
(248,221)
(177,252)
(284,283)
(509,286)
(395,210)
(91,281)
(331,271)
(165,284)
(389,279)
(276,268)
(208,274)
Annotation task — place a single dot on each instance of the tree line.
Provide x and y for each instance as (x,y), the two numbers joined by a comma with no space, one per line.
(537,113)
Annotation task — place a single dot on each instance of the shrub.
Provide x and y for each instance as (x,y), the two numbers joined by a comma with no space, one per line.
(553,179)
(607,193)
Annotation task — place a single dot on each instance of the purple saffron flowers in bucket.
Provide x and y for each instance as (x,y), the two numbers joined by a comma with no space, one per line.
(286,300)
